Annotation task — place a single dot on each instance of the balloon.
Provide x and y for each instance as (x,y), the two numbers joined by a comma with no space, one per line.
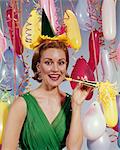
(93,123)
(118,141)
(53,16)
(102,143)
(94,49)
(118,20)
(107,97)
(32,30)
(7,72)
(107,66)
(118,102)
(72,30)
(3,117)
(109,19)
(82,69)
(117,127)
(118,53)
(13,27)
(45,4)
(83,15)
(3,43)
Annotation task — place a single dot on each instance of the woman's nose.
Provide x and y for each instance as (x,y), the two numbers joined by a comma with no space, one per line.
(55,67)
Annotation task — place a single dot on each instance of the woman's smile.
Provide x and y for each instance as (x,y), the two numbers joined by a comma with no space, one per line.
(54,77)
(53,66)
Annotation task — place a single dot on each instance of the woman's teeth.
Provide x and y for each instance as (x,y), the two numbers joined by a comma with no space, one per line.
(54,77)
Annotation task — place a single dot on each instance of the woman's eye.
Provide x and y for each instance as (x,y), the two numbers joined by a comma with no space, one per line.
(48,62)
(62,62)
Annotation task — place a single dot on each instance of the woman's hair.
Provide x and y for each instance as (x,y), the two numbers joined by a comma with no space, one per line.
(38,53)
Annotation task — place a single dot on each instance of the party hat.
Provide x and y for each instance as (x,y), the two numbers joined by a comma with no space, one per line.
(38,30)
(46,26)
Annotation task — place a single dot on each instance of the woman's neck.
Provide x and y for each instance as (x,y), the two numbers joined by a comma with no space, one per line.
(54,94)
(48,90)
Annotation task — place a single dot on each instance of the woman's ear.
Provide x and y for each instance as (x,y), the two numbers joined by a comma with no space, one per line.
(38,73)
(38,67)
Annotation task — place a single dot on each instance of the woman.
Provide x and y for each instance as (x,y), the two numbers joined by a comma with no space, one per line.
(47,118)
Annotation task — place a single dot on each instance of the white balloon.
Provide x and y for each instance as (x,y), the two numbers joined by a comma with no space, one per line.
(93,123)
(107,66)
(83,15)
(102,143)
(45,5)
(109,19)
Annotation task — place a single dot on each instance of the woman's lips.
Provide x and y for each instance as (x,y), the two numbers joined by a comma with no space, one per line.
(54,77)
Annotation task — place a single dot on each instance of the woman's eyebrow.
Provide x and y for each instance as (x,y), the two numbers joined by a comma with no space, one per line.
(52,59)
(47,58)
(62,59)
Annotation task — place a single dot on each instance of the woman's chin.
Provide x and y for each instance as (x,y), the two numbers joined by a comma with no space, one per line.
(54,83)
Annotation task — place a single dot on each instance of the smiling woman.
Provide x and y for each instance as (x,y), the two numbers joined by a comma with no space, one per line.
(42,119)
(50,45)
(53,63)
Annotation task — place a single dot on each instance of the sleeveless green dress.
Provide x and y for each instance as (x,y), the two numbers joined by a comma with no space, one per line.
(37,133)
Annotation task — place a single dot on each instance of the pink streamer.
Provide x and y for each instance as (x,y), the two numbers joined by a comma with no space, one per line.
(3,44)
(53,16)
(118,53)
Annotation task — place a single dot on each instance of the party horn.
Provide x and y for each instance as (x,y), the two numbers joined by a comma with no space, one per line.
(87,83)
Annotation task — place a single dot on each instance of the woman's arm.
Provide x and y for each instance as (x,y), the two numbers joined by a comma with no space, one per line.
(75,137)
(14,124)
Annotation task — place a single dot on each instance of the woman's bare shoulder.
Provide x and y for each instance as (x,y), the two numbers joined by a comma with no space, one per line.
(19,101)
(63,94)
(16,117)
(19,106)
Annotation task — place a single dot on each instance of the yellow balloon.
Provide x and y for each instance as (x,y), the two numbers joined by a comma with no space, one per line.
(107,95)
(31,31)
(110,113)
(73,30)
(3,117)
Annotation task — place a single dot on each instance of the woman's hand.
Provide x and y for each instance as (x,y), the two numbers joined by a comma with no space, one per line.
(80,93)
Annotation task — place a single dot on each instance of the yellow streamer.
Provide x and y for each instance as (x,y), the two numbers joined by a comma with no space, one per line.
(107,96)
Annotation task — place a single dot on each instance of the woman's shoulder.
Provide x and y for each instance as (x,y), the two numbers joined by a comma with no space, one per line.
(17,111)
(18,105)
(19,101)
(64,93)
(67,95)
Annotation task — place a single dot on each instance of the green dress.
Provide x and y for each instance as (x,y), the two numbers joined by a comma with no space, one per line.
(37,133)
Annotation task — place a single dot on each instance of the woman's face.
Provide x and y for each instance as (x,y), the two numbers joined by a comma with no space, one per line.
(52,66)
